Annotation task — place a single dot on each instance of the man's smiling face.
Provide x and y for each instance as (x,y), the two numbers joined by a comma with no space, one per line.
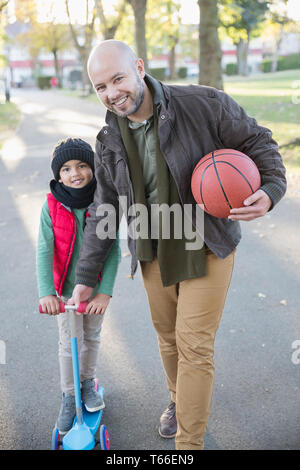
(118,80)
(118,83)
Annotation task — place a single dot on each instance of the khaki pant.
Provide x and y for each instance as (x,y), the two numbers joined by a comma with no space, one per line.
(186,317)
(88,329)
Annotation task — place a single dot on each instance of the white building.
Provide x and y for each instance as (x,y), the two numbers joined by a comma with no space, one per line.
(23,66)
(255,54)
(290,44)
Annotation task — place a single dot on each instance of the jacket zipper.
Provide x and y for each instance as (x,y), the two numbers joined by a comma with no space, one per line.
(66,263)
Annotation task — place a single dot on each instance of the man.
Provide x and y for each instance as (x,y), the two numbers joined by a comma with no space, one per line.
(154,137)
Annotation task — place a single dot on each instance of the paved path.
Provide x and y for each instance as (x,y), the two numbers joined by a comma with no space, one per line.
(257,386)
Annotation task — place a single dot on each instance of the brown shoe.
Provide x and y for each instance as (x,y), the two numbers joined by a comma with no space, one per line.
(168,422)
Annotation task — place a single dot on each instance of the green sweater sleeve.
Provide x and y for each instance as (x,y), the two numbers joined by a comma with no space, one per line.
(44,260)
(44,257)
(110,269)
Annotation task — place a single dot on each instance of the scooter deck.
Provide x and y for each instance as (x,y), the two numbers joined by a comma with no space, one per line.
(92,420)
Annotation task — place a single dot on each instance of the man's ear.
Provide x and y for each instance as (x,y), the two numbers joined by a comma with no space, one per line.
(140,68)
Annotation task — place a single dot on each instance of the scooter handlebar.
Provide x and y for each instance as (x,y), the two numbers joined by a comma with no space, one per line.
(63,307)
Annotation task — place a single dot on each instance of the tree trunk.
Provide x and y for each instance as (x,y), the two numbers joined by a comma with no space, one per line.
(172,62)
(86,83)
(242,49)
(139,10)
(56,66)
(85,49)
(210,49)
(276,52)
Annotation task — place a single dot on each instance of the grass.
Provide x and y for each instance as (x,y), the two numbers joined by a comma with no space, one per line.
(273,99)
(9,117)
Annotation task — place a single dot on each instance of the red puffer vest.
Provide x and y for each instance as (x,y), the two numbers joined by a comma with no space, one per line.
(64,230)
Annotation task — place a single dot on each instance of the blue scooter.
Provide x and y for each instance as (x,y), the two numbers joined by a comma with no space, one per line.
(82,434)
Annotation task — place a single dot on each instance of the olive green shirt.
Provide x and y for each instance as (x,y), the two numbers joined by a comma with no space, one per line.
(143,134)
(156,186)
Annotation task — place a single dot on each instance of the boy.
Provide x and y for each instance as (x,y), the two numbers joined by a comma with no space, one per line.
(62,224)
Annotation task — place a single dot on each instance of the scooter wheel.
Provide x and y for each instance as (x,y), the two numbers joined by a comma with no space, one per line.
(55,439)
(104,438)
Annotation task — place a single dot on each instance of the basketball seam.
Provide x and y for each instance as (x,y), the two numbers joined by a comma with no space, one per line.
(223,190)
(221,155)
(234,167)
(215,167)
(202,198)
(214,157)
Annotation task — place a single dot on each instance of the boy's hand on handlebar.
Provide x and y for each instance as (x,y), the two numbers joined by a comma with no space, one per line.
(98,304)
(50,304)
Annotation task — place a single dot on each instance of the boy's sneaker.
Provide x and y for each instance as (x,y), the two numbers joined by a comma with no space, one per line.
(67,414)
(92,400)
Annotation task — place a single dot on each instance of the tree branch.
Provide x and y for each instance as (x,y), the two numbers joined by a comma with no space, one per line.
(100,11)
(73,34)
(3,5)
(110,30)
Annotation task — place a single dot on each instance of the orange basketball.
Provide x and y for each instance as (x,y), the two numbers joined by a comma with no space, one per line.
(223,179)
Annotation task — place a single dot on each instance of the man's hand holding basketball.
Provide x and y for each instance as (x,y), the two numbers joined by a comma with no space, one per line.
(256,205)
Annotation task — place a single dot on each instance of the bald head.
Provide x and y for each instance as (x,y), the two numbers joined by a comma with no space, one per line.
(108,50)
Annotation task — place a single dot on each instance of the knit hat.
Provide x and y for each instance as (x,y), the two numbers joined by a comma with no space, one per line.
(71,149)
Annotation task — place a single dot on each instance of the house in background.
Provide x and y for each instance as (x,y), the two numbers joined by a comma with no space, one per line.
(255,54)
(290,44)
(24,69)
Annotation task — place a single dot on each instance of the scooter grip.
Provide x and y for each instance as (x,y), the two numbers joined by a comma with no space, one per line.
(80,309)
